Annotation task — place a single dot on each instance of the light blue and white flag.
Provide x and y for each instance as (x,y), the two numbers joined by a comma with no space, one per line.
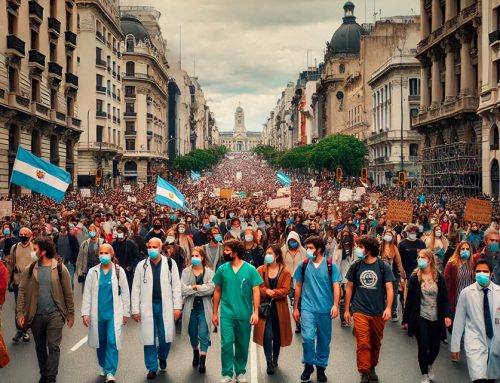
(283,178)
(167,194)
(39,175)
(195,176)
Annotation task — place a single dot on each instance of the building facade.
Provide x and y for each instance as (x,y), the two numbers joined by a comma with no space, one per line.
(278,129)
(239,140)
(145,91)
(450,55)
(102,141)
(38,84)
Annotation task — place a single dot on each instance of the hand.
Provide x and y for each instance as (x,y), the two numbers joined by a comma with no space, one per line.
(455,356)
(334,313)
(270,293)
(125,320)
(137,317)
(71,322)
(347,317)
(296,315)
(86,320)
(405,326)
(447,322)
(20,322)
(177,314)
(387,314)
(254,319)
(215,320)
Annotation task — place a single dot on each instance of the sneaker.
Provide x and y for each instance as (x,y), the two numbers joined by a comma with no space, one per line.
(163,364)
(394,317)
(226,379)
(26,337)
(320,374)
(151,375)
(373,375)
(364,378)
(241,378)
(17,337)
(110,378)
(430,373)
(102,373)
(306,374)
(425,379)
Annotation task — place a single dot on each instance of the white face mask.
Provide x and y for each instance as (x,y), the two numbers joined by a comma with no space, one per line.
(170,239)
(33,256)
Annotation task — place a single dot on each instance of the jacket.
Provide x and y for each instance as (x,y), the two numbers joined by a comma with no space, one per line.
(127,253)
(73,244)
(291,261)
(411,314)
(82,260)
(282,289)
(450,277)
(219,257)
(254,256)
(62,294)
(4,281)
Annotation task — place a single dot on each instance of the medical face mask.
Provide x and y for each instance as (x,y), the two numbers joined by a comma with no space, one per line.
(170,239)
(464,254)
(493,247)
(412,237)
(310,254)
(92,234)
(359,253)
(483,279)
(182,230)
(218,238)
(422,263)
(33,256)
(249,238)
(6,231)
(105,258)
(153,253)
(120,235)
(388,238)
(269,258)
(438,234)
(293,244)
(196,261)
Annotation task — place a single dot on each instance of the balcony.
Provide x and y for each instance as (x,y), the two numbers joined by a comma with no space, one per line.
(149,116)
(15,46)
(459,106)
(36,60)
(414,158)
(36,12)
(76,122)
(72,81)
(100,89)
(381,160)
(494,38)
(98,146)
(98,36)
(129,115)
(54,26)
(130,133)
(70,40)
(100,114)
(494,146)
(114,119)
(14,4)
(39,109)
(100,63)
(129,94)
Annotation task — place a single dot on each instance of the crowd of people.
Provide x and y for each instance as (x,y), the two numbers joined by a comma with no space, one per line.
(227,265)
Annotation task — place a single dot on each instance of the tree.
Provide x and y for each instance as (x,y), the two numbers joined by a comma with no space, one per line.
(200,159)
(298,157)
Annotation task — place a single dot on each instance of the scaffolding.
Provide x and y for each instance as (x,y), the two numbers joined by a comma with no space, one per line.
(452,168)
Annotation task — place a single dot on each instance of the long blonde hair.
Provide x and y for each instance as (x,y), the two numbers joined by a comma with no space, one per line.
(391,245)
(456,259)
(432,264)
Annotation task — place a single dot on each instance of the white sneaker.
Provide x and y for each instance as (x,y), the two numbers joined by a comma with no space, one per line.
(431,373)
(110,378)
(425,379)
(241,379)
(102,373)
(226,379)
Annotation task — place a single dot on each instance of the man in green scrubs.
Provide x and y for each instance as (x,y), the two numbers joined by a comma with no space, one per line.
(237,291)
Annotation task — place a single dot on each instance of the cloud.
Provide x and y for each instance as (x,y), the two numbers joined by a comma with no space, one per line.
(247,51)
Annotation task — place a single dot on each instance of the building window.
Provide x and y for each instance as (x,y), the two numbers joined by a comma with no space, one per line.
(12,23)
(98,133)
(497,65)
(129,91)
(69,19)
(413,150)
(130,127)
(98,54)
(34,39)
(130,44)
(413,112)
(130,144)
(53,8)
(35,90)
(13,79)
(98,80)
(130,68)
(414,87)
(98,105)
(69,64)
(70,106)
(53,99)
(341,68)
(129,107)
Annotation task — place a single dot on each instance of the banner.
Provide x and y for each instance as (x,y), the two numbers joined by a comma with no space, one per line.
(309,206)
(345,195)
(131,199)
(85,193)
(127,188)
(314,191)
(478,210)
(5,208)
(399,211)
(226,193)
(358,193)
(282,192)
(279,203)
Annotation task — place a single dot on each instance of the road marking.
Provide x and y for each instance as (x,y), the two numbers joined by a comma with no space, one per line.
(253,361)
(79,344)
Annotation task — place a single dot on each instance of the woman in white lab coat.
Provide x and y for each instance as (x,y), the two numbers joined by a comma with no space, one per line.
(105,309)
(156,310)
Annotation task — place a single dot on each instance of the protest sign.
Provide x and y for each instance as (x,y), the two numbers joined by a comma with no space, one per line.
(5,208)
(226,193)
(216,192)
(127,188)
(131,199)
(478,210)
(279,203)
(399,211)
(239,174)
(309,206)
(345,195)
(314,191)
(282,192)
(85,193)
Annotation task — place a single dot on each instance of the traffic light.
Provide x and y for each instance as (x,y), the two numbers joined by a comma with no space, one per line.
(402,177)
(338,174)
(364,173)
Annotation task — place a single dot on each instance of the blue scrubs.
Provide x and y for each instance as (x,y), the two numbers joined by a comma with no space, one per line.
(154,353)
(107,353)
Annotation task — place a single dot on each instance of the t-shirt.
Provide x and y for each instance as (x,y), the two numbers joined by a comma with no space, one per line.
(237,294)
(428,302)
(369,297)
(317,290)
(105,296)
(409,252)
(45,304)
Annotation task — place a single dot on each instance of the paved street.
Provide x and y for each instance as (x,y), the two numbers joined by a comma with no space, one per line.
(398,360)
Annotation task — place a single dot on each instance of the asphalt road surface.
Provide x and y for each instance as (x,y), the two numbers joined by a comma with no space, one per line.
(78,363)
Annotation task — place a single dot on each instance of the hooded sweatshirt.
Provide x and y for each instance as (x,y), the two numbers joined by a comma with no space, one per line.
(291,261)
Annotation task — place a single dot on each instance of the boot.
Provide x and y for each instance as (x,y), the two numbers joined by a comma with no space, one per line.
(373,375)
(275,361)
(196,358)
(306,374)
(270,367)
(320,374)
(202,368)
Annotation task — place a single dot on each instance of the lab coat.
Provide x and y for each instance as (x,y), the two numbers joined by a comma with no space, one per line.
(483,354)
(142,298)
(90,304)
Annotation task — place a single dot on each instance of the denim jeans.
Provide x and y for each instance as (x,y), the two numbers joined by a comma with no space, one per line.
(198,329)
(153,353)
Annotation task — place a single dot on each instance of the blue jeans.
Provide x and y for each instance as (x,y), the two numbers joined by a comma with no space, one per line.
(153,353)
(107,353)
(16,293)
(316,336)
(71,270)
(198,329)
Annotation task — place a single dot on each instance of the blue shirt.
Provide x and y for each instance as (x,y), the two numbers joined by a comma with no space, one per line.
(105,296)
(317,290)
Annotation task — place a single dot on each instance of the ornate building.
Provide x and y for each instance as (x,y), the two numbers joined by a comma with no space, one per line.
(38,84)
(239,140)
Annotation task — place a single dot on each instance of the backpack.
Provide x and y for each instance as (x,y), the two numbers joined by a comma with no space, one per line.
(329,264)
(59,270)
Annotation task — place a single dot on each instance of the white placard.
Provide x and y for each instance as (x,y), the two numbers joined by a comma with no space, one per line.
(239,175)
(309,206)
(345,195)
(282,192)
(5,208)
(216,192)
(131,199)
(279,203)
(85,193)
(127,188)
(314,191)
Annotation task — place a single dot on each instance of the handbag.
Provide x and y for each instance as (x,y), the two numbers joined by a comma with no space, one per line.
(265,306)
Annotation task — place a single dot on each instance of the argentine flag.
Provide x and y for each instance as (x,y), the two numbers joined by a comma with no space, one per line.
(39,175)
(283,178)
(195,176)
(167,194)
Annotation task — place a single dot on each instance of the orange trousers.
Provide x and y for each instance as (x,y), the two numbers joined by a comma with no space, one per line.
(369,331)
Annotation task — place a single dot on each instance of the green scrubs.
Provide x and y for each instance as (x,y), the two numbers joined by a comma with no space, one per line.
(236,308)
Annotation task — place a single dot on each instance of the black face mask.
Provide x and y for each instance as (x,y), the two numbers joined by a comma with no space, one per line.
(24,239)
(157,226)
(228,257)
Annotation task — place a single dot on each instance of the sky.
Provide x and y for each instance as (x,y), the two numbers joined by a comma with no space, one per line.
(247,51)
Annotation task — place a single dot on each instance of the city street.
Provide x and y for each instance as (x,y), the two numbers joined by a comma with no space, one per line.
(79,364)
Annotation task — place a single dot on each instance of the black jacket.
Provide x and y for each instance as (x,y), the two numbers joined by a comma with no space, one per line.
(411,314)
(127,253)
(254,256)
(73,244)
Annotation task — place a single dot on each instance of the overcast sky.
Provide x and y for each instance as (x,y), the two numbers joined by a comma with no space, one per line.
(247,51)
